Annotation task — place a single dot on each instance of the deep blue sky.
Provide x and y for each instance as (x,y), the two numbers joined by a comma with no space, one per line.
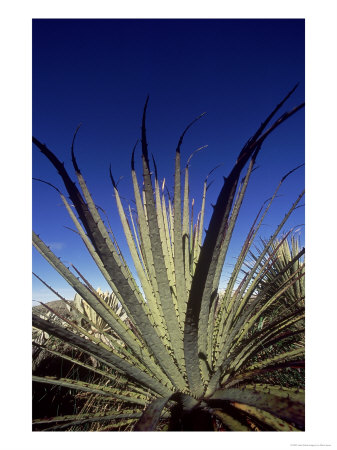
(99,72)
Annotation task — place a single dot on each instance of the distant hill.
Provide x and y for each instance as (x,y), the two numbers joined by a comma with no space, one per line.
(56,305)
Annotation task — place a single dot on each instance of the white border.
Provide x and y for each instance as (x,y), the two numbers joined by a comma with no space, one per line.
(321,98)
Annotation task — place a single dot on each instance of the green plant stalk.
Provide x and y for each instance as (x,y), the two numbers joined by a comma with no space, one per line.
(174,331)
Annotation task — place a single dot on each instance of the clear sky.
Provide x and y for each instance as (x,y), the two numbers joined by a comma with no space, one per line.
(99,72)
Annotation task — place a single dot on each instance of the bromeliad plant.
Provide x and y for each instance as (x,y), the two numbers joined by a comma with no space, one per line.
(185,355)
(285,252)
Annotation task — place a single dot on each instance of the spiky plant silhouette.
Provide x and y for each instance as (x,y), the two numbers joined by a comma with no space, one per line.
(185,355)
